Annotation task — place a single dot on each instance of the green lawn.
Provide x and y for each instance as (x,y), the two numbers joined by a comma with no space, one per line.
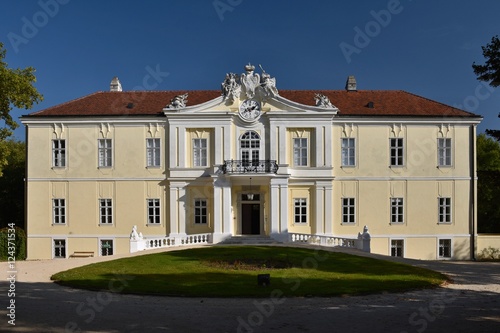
(231,271)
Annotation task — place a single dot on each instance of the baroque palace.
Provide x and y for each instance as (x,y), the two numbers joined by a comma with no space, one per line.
(251,160)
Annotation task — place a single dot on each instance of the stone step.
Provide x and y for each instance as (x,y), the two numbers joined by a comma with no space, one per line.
(248,240)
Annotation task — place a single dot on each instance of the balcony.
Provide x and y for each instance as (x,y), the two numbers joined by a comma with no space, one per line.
(247,166)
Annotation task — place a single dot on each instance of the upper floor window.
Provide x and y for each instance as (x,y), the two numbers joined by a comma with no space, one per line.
(444,210)
(153,152)
(59,153)
(200,152)
(105,211)
(348,152)
(444,152)
(348,210)
(397,215)
(250,147)
(300,210)
(105,153)
(300,151)
(58,211)
(154,211)
(396,151)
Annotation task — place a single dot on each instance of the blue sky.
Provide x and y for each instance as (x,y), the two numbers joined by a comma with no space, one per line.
(421,46)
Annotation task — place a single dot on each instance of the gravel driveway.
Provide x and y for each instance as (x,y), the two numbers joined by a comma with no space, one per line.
(470,304)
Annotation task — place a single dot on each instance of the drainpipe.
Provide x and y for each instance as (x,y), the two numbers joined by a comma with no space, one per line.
(473,191)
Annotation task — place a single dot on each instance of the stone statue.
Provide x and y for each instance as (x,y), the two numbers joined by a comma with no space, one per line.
(250,80)
(323,101)
(230,87)
(134,235)
(178,102)
(268,84)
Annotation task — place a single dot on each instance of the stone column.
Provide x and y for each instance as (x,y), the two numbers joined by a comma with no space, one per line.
(221,210)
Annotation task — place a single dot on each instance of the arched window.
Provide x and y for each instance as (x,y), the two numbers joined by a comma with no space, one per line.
(250,147)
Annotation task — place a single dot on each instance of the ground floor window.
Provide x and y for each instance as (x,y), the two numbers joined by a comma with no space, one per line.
(300,212)
(445,248)
(397,247)
(59,248)
(154,211)
(200,211)
(348,209)
(106,247)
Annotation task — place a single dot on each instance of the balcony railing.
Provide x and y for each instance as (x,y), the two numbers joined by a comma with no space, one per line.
(247,166)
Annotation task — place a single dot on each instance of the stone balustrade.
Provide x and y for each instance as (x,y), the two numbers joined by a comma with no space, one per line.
(149,243)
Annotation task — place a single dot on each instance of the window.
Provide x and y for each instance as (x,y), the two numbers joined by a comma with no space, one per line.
(59,248)
(444,210)
(396,151)
(397,210)
(153,152)
(200,211)
(105,153)
(154,211)
(105,211)
(397,247)
(300,152)
(444,152)
(250,148)
(445,248)
(300,213)
(58,153)
(348,152)
(348,209)
(106,247)
(200,152)
(58,211)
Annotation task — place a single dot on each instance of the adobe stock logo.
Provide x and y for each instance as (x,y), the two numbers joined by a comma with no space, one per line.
(30,28)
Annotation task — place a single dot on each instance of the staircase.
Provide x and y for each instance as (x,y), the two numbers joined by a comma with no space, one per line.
(249,240)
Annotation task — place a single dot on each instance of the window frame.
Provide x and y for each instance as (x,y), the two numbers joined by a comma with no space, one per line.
(58,153)
(348,203)
(108,211)
(55,248)
(300,216)
(444,152)
(397,247)
(153,152)
(198,151)
(396,152)
(300,152)
(153,211)
(101,248)
(105,153)
(441,246)
(444,204)
(58,211)
(348,152)
(398,217)
(200,213)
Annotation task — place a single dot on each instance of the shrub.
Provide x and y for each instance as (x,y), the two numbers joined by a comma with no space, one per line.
(19,242)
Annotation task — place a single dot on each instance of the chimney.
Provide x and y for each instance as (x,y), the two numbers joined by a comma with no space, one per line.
(350,85)
(115,85)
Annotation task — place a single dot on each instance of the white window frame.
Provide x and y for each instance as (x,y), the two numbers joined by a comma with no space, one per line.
(395,246)
(153,211)
(55,247)
(348,152)
(398,205)
(153,152)
(58,211)
(444,210)
(59,153)
(396,152)
(101,240)
(349,204)
(200,152)
(106,211)
(444,152)
(300,152)
(105,153)
(200,211)
(441,246)
(250,143)
(300,216)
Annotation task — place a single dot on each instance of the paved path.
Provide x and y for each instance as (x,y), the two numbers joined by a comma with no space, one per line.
(470,304)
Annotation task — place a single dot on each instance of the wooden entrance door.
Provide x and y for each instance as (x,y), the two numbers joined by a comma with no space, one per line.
(250,219)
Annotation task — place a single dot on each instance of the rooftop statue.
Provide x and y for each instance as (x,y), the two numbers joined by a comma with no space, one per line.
(323,101)
(230,87)
(178,102)
(250,80)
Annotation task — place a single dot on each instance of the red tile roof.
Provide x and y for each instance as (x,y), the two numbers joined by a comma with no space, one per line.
(350,103)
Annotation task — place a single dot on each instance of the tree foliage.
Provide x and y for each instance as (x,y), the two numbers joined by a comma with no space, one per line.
(490,71)
(12,185)
(488,185)
(16,90)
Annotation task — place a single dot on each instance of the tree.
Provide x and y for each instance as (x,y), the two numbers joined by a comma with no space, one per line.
(488,185)
(12,185)
(16,90)
(490,71)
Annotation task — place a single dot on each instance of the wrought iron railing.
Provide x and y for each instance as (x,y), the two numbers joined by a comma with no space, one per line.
(247,166)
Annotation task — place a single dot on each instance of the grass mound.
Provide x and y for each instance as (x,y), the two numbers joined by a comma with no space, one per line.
(231,271)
